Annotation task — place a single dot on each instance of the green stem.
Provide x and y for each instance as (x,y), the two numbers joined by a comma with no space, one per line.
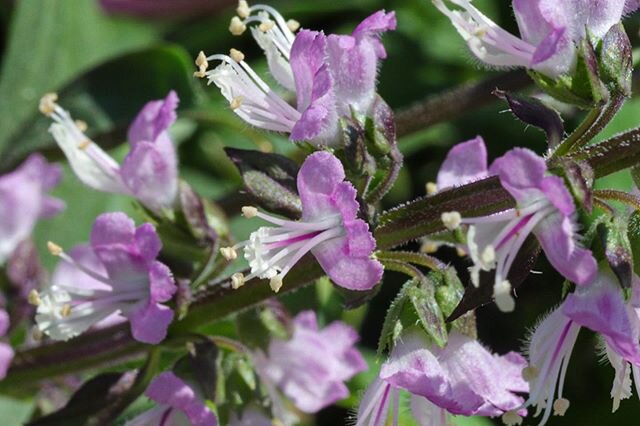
(594,123)
(402,267)
(619,196)
(421,259)
(98,348)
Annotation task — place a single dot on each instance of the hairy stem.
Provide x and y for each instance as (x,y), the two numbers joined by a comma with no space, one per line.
(458,101)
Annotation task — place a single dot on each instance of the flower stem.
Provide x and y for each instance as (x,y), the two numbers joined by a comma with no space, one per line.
(594,123)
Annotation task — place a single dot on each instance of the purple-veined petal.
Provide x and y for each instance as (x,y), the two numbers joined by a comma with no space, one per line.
(557,236)
(354,273)
(317,179)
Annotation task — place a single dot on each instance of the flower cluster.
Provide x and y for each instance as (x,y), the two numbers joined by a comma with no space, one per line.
(219,348)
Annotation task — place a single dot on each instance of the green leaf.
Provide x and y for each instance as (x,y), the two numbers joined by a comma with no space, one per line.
(50,43)
(422,298)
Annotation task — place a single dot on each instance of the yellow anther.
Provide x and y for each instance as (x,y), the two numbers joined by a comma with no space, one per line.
(451,220)
(529,373)
(236,26)
(34,298)
(243,9)
(54,249)
(65,311)
(236,55)
(293,25)
(202,64)
(429,247)
(249,212)
(237,280)
(48,103)
(229,253)
(236,103)
(560,406)
(266,25)
(276,283)
(84,144)
(431,188)
(511,418)
(81,125)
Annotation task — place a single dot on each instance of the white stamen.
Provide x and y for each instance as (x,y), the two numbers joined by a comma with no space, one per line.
(451,220)
(229,253)
(243,9)
(236,26)
(249,212)
(560,406)
(237,280)
(48,104)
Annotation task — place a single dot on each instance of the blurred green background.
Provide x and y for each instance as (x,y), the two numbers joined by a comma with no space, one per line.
(106,67)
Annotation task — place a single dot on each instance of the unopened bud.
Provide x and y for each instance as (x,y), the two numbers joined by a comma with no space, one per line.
(249,212)
(48,103)
(236,27)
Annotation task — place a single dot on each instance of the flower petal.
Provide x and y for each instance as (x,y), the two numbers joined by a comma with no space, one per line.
(556,234)
(600,306)
(149,323)
(353,273)
(6,356)
(466,162)
(521,172)
(150,172)
(318,177)
(162,285)
(154,119)
(169,390)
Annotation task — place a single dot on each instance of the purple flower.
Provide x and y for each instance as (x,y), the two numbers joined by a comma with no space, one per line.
(126,279)
(6,352)
(544,207)
(149,172)
(550,31)
(24,200)
(461,378)
(329,229)
(330,76)
(313,365)
(162,8)
(178,404)
(599,306)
